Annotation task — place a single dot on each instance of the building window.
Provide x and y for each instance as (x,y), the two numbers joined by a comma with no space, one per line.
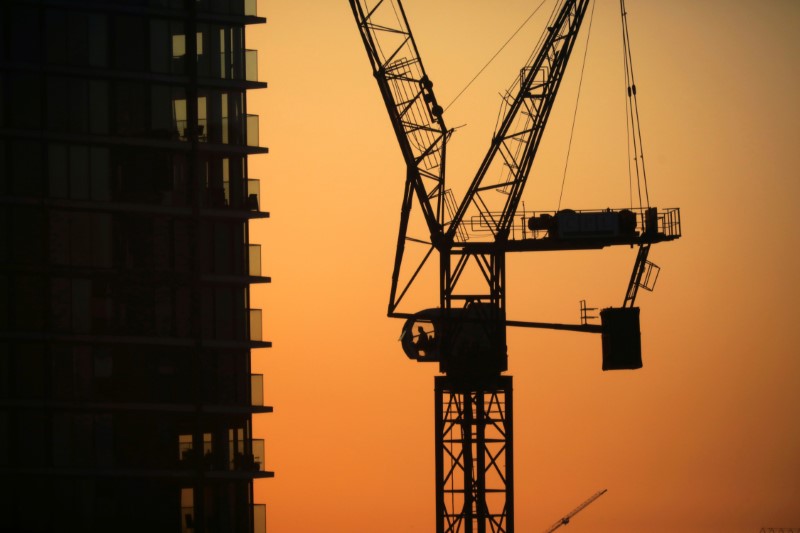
(3,18)
(29,371)
(78,172)
(79,39)
(81,306)
(131,42)
(25,33)
(77,106)
(26,169)
(24,100)
(5,435)
(149,176)
(168,111)
(27,235)
(81,239)
(132,109)
(2,98)
(5,312)
(30,439)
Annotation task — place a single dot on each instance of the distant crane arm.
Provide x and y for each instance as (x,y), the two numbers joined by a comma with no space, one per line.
(566,518)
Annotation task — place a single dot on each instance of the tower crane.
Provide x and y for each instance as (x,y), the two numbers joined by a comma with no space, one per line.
(466,332)
(564,520)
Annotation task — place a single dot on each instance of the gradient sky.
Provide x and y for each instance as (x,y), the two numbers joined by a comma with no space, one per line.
(705,437)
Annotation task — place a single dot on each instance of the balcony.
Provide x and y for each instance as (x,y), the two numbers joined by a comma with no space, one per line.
(239,460)
(251,195)
(224,66)
(255,325)
(248,198)
(227,7)
(257,389)
(239,131)
(187,519)
(258,454)
(259,518)
(188,456)
(254,259)
(251,130)
(211,458)
(251,65)
(244,70)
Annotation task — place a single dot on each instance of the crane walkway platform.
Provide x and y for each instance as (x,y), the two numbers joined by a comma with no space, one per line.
(569,229)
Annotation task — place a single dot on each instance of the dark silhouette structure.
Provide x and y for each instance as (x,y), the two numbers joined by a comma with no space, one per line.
(126,395)
(473,397)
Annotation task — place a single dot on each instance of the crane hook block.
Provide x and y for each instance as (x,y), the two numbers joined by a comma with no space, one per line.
(622,339)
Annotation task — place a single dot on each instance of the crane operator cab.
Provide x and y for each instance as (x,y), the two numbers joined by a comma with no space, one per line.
(418,336)
(474,345)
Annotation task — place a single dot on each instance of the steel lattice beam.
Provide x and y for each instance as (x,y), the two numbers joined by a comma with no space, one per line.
(474,456)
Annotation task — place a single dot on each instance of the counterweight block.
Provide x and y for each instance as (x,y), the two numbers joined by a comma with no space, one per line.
(622,338)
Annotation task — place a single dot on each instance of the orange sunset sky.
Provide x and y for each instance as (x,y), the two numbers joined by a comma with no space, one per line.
(706,436)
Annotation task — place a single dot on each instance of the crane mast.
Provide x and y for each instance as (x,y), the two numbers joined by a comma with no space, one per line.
(473,397)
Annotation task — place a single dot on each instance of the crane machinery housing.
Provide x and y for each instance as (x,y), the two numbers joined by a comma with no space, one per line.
(466,332)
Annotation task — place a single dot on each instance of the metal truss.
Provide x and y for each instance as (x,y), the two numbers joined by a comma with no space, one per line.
(474,459)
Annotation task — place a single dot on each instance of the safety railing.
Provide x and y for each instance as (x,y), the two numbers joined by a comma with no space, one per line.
(244,68)
(240,460)
(583,223)
(187,519)
(227,7)
(259,518)
(670,222)
(241,131)
(209,458)
(254,259)
(251,130)
(188,455)
(249,198)
(257,389)
(255,325)
(225,65)
(258,454)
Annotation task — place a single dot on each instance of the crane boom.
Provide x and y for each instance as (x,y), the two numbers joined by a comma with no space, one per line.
(566,518)
(526,107)
(415,115)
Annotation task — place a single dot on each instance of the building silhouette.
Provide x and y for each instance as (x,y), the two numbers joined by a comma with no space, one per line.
(126,395)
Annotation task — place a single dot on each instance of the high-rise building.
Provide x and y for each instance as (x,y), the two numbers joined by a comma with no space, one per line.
(126,393)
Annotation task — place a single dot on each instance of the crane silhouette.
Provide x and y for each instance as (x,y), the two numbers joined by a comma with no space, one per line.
(465,333)
(564,520)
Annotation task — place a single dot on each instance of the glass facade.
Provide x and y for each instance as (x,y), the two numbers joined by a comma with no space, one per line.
(126,331)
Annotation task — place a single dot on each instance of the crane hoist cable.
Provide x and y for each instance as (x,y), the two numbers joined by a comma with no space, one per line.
(577,101)
(495,55)
(632,122)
